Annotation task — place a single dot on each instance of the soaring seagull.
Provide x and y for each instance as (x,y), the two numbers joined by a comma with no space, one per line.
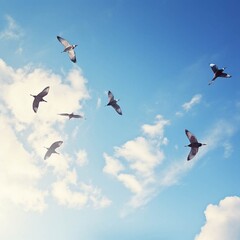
(112,102)
(194,144)
(39,98)
(218,73)
(52,149)
(69,48)
(71,115)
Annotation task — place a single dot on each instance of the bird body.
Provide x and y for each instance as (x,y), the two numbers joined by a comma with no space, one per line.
(39,98)
(218,73)
(71,115)
(194,144)
(113,102)
(52,149)
(69,48)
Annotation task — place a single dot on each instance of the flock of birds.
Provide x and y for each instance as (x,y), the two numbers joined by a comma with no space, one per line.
(69,48)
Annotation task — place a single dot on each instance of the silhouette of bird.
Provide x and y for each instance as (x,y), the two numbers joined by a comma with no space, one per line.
(71,115)
(52,149)
(194,144)
(218,73)
(112,102)
(69,48)
(39,98)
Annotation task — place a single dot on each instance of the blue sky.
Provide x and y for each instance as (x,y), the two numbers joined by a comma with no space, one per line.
(120,177)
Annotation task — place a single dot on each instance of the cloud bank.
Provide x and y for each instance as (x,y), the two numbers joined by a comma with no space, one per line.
(222,220)
(25,134)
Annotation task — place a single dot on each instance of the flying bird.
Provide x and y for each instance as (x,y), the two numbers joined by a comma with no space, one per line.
(71,115)
(218,73)
(39,98)
(194,144)
(52,149)
(112,102)
(69,48)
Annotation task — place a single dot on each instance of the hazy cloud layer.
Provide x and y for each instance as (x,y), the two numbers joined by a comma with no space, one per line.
(27,133)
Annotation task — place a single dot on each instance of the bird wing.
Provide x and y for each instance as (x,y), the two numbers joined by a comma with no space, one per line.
(56,145)
(63,41)
(48,154)
(117,108)
(110,96)
(44,92)
(192,153)
(72,55)
(225,75)
(214,67)
(191,137)
(64,114)
(35,104)
(77,116)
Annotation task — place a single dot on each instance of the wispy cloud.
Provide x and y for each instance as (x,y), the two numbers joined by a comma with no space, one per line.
(83,195)
(99,102)
(134,163)
(137,163)
(187,106)
(195,100)
(222,220)
(173,173)
(12,30)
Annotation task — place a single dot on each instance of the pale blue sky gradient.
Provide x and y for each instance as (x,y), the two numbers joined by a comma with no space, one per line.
(154,56)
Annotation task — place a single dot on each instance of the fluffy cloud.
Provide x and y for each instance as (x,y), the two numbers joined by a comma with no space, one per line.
(86,194)
(22,168)
(134,163)
(12,30)
(157,129)
(142,155)
(112,166)
(222,221)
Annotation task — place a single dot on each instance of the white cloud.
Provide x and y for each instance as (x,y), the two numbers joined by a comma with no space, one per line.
(142,155)
(112,165)
(137,163)
(195,100)
(222,221)
(156,129)
(26,133)
(12,30)
(85,194)
(134,163)
(81,157)
(19,173)
(130,182)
